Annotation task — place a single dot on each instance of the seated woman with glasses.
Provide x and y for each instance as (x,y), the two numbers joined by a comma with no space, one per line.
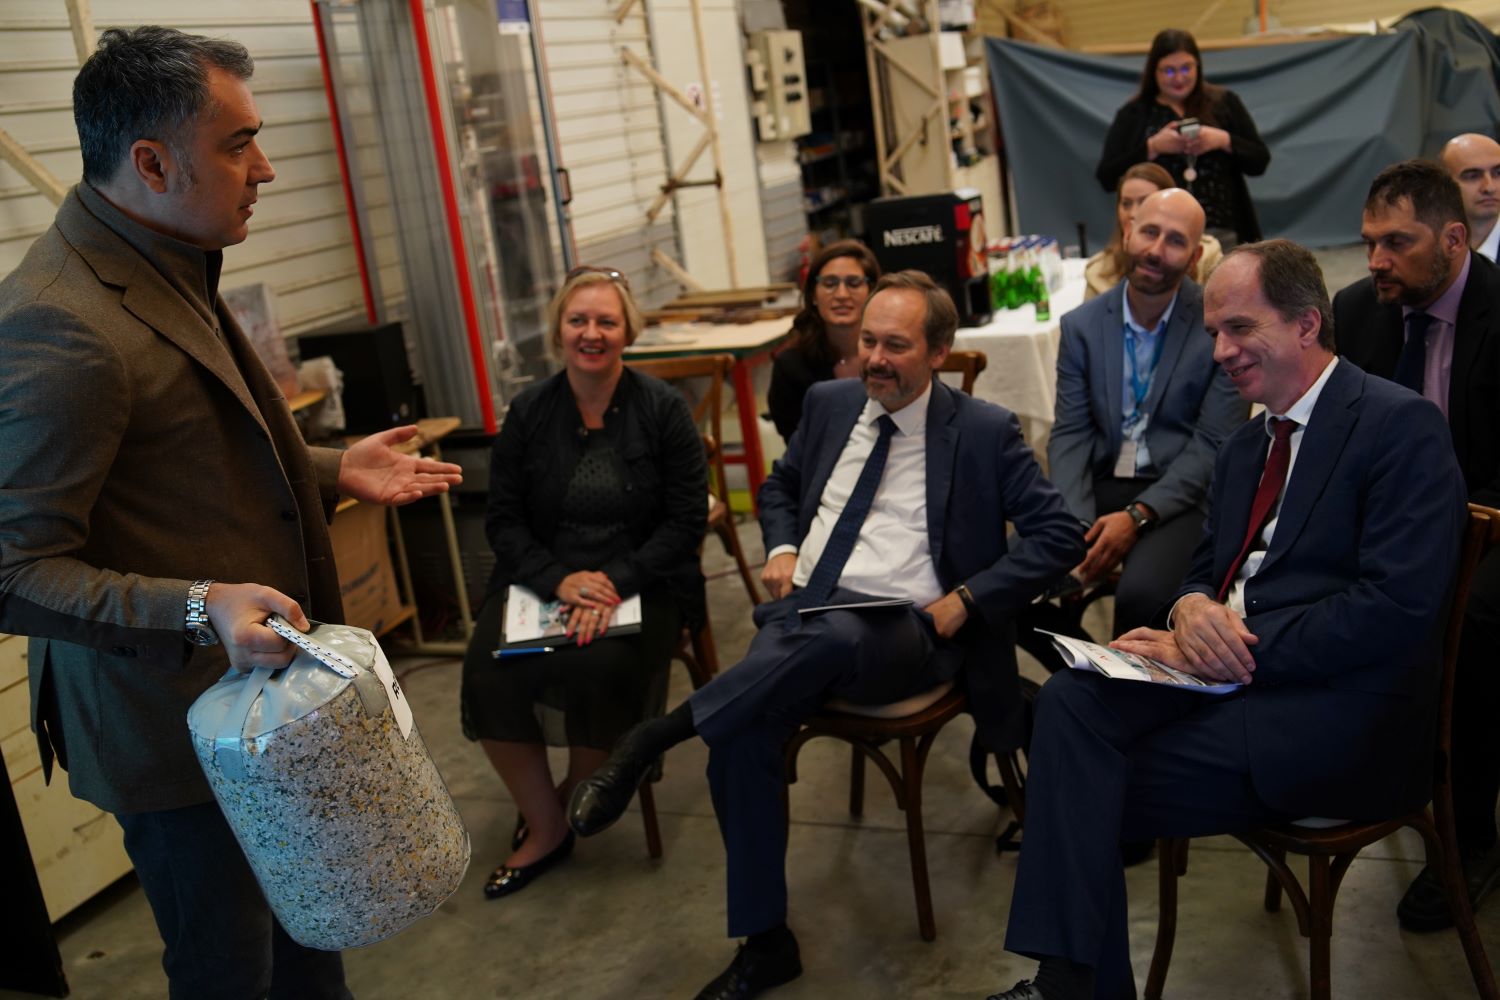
(825,334)
(1200,133)
(1105,269)
(597,486)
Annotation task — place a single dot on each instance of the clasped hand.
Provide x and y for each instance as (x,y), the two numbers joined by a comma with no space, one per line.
(1207,640)
(591,599)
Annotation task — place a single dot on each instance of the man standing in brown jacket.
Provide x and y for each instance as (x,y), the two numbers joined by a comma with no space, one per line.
(157,501)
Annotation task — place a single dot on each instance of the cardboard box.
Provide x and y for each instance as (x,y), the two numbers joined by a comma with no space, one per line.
(367,577)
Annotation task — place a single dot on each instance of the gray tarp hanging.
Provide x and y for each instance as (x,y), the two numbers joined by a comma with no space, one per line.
(1333,114)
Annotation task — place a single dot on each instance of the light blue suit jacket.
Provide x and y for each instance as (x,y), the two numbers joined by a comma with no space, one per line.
(1192,405)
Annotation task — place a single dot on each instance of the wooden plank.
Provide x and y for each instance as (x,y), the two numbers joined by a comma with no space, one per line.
(677,176)
(78,848)
(12,660)
(81,23)
(13,153)
(676,270)
(15,709)
(726,217)
(664,85)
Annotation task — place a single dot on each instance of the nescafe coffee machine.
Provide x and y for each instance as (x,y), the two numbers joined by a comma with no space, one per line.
(942,234)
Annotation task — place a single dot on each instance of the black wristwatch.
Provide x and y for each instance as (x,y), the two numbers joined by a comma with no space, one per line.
(962,590)
(1144,522)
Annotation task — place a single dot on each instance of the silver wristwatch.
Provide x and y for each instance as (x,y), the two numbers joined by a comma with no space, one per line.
(199,631)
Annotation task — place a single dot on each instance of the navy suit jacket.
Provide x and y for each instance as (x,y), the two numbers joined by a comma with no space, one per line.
(1191,404)
(980,475)
(1371,335)
(1348,605)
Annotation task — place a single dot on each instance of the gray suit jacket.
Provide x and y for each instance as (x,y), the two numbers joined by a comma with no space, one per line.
(1192,406)
(139,450)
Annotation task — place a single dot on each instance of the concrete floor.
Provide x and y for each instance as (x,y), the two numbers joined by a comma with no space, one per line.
(613,924)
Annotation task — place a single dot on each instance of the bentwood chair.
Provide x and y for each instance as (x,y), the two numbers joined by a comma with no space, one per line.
(968,364)
(1330,849)
(913,725)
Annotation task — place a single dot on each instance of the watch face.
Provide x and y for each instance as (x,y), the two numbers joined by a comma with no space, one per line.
(203,636)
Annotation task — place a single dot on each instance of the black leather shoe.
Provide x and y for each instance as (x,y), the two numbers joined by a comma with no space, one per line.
(519,835)
(1024,990)
(600,799)
(506,881)
(1425,905)
(753,972)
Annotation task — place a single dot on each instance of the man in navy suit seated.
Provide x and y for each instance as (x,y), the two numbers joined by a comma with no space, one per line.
(896,486)
(1319,586)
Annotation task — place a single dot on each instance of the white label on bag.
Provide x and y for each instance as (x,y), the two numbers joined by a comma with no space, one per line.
(393,691)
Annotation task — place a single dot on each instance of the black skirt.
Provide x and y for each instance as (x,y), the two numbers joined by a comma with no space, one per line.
(585,696)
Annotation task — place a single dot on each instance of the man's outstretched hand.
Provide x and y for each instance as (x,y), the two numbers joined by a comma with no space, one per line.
(373,471)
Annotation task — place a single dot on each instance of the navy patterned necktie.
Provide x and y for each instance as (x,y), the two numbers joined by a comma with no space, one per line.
(825,575)
(1412,364)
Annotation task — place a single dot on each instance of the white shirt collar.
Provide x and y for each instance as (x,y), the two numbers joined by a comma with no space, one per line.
(910,420)
(1491,245)
(1301,410)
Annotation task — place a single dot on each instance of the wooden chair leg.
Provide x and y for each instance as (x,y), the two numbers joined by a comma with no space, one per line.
(648,816)
(916,841)
(1171,860)
(1273,887)
(730,536)
(1443,856)
(1320,938)
(856,781)
(706,653)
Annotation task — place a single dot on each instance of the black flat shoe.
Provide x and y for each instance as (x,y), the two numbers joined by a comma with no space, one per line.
(506,881)
(600,799)
(519,834)
(753,972)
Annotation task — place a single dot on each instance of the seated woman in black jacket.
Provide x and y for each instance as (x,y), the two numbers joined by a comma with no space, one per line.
(825,333)
(1212,162)
(598,491)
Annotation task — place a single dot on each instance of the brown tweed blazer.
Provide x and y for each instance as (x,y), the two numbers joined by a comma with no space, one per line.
(140,449)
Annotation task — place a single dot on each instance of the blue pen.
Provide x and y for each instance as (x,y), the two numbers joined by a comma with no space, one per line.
(521,651)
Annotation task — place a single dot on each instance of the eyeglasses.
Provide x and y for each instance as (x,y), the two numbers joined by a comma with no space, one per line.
(1173,72)
(608,272)
(831,282)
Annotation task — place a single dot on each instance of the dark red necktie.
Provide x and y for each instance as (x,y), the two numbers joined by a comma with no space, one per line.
(1271,482)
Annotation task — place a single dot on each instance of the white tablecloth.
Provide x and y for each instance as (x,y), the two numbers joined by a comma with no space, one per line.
(1022,352)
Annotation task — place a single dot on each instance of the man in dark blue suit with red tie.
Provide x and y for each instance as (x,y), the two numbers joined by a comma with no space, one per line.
(895,486)
(1319,586)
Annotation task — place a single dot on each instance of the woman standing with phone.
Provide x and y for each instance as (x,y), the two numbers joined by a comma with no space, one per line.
(1200,133)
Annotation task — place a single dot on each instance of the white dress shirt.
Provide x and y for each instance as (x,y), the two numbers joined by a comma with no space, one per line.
(1300,412)
(892,557)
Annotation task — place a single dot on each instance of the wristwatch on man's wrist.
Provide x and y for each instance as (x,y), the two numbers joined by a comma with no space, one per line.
(200,632)
(1144,521)
(970,605)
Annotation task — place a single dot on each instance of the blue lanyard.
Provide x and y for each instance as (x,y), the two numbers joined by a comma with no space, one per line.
(1139,388)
